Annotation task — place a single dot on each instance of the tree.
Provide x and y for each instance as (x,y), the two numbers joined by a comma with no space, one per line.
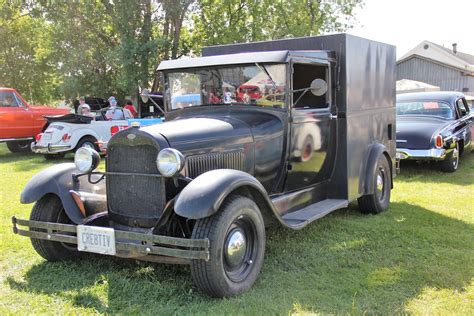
(24,58)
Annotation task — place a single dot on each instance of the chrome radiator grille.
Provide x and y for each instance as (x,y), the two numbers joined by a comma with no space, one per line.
(196,165)
(134,196)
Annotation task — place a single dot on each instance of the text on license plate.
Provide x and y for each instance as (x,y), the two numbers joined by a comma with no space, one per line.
(96,239)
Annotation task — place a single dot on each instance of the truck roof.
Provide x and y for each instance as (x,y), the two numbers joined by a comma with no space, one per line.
(280,56)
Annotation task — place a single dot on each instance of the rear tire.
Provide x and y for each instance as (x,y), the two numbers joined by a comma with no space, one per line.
(451,162)
(237,245)
(50,209)
(379,200)
(23,146)
(87,141)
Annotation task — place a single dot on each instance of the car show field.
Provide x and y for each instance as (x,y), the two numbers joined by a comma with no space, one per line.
(417,257)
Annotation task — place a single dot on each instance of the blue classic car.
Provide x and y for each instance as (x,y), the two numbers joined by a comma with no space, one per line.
(433,126)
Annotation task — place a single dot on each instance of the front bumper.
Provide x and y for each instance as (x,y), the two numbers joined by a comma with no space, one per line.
(422,154)
(49,148)
(128,244)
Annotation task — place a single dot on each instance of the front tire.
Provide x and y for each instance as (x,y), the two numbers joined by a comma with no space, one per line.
(379,199)
(23,146)
(50,209)
(237,246)
(451,162)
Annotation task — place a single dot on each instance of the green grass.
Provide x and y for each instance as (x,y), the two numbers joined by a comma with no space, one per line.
(418,257)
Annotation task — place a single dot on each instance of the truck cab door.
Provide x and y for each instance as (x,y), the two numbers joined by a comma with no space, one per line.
(312,147)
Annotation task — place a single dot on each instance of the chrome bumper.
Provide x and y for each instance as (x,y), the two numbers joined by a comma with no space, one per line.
(421,154)
(49,149)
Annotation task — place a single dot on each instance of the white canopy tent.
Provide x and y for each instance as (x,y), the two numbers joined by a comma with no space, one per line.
(406,86)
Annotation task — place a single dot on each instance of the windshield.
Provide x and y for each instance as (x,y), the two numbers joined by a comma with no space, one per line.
(259,84)
(427,108)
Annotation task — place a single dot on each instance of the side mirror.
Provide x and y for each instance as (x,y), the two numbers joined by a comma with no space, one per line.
(318,87)
(144,95)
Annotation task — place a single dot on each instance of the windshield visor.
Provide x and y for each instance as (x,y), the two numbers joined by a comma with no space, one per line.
(260,85)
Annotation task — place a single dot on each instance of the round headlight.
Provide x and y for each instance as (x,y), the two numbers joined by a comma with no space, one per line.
(86,159)
(169,162)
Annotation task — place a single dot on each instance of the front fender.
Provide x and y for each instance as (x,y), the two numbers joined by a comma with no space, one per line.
(203,196)
(54,180)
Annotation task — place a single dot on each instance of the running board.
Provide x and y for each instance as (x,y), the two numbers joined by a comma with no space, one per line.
(301,218)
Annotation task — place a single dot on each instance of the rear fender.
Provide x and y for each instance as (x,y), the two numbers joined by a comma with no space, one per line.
(377,150)
(203,196)
(58,180)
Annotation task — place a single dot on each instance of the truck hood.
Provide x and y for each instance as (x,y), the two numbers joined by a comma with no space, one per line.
(202,134)
(416,132)
(46,110)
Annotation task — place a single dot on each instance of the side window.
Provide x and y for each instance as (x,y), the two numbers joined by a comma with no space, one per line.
(8,100)
(20,103)
(463,109)
(303,75)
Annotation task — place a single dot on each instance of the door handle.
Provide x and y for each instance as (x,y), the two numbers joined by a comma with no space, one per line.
(333,116)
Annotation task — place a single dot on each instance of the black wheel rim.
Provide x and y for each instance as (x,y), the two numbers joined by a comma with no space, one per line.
(240,249)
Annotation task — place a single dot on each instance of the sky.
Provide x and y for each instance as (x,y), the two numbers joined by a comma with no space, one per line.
(406,23)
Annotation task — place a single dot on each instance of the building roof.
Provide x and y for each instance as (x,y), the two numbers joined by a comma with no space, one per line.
(443,55)
(407,86)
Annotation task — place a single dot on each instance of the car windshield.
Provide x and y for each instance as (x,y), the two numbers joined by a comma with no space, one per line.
(258,84)
(426,108)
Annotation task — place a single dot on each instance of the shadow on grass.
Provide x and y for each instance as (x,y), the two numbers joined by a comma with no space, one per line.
(344,263)
(430,172)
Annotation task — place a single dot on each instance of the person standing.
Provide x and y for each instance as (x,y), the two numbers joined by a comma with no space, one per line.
(129,106)
(114,113)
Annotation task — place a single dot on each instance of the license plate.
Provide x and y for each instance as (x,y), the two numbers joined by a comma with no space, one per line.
(96,239)
(46,136)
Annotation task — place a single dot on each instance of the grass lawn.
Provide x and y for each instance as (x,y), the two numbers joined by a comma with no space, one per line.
(418,257)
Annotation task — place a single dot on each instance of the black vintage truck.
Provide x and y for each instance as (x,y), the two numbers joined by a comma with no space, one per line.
(278,132)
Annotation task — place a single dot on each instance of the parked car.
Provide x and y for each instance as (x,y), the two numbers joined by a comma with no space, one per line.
(433,126)
(200,188)
(20,121)
(70,132)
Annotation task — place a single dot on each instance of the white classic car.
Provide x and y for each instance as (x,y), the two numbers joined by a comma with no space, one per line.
(69,132)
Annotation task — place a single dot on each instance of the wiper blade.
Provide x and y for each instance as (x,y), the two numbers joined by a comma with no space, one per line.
(262,68)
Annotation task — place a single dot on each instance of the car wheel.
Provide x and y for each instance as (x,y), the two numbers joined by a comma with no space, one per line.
(237,246)
(379,199)
(89,142)
(451,162)
(23,146)
(54,156)
(50,209)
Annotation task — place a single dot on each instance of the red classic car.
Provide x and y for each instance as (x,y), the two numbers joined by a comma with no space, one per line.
(19,121)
